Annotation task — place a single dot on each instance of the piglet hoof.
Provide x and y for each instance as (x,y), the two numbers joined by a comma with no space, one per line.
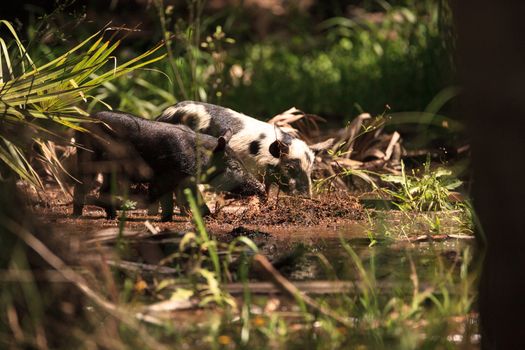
(166,218)
(77,210)
(111,215)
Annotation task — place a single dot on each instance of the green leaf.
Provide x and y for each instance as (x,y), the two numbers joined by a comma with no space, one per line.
(53,91)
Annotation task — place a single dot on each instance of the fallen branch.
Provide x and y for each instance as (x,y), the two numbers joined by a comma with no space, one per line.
(141,267)
(289,288)
(70,275)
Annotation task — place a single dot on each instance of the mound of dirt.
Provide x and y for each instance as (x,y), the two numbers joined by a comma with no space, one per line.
(285,210)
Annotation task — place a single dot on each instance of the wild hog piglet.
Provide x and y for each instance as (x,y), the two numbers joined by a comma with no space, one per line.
(127,149)
(270,153)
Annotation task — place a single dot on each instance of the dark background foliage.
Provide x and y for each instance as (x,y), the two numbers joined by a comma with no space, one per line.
(333,58)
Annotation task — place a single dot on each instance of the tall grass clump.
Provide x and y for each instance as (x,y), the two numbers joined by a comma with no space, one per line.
(195,66)
(428,191)
(39,102)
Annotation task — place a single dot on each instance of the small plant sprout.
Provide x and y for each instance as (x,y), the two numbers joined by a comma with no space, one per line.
(428,192)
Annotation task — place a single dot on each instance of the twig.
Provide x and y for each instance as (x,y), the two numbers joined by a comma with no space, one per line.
(390,148)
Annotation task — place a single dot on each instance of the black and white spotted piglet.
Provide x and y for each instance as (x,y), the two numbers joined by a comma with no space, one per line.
(127,149)
(266,150)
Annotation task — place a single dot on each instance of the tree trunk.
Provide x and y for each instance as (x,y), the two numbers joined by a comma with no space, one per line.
(491,62)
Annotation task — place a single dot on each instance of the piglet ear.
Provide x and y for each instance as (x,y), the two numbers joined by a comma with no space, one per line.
(223,140)
(227,135)
(278,149)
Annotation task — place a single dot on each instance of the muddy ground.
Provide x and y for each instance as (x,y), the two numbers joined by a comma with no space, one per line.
(291,232)
(282,227)
(280,214)
(282,217)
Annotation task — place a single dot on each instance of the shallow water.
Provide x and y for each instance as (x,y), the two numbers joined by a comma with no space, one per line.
(308,254)
(397,269)
(391,261)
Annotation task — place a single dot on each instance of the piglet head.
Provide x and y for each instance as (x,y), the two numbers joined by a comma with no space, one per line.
(229,173)
(293,171)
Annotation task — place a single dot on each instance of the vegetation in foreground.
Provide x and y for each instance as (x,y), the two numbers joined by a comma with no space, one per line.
(203,292)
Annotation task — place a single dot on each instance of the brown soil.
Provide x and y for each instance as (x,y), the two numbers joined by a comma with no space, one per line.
(296,211)
(277,215)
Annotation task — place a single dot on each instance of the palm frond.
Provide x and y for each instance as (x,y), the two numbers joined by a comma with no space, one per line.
(33,95)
